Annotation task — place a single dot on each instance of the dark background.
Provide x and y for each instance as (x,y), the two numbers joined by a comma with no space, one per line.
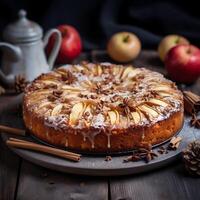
(97,20)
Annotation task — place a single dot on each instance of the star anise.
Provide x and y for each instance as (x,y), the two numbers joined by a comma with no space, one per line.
(141,154)
(68,78)
(127,105)
(195,121)
(99,89)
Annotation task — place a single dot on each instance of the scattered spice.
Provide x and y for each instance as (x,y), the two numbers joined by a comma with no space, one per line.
(162,150)
(108,158)
(141,154)
(174,143)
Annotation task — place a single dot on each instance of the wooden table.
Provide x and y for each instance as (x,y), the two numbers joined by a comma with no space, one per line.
(22,180)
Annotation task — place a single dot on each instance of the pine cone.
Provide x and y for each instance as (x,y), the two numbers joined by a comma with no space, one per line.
(20,83)
(191,157)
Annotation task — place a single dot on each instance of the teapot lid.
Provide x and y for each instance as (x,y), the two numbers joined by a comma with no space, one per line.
(23,30)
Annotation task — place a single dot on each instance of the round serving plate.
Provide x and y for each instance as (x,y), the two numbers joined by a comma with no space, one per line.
(90,164)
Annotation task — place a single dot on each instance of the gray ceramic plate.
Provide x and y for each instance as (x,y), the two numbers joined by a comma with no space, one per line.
(97,166)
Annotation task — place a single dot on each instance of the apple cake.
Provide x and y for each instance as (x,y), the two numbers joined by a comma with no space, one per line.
(102,107)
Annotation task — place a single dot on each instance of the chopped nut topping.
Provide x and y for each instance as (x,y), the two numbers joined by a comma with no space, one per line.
(49,86)
(51,97)
(57,93)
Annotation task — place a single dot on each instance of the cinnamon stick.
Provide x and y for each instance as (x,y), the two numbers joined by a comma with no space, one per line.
(174,143)
(13,142)
(11,130)
(191,102)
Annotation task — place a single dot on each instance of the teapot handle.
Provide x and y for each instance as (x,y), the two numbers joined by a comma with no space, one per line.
(56,47)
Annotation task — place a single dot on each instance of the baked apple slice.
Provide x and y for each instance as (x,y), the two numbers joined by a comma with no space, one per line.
(99,70)
(157,102)
(116,70)
(70,88)
(148,111)
(114,117)
(56,110)
(136,117)
(44,104)
(76,112)
(49,82)
(126,72)
(78,68)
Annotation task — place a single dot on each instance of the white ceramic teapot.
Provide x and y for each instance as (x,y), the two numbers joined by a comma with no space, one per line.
(23,50)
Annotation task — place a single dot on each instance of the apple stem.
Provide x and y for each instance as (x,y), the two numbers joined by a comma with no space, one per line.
(189,50)
(64,33)
(177,40)
(126,38)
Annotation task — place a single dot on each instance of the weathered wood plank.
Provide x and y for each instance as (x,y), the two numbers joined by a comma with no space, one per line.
(38,183)
(9,166)
(168,183)
(9,162)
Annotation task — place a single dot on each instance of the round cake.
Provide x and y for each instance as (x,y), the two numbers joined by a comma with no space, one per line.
(102,107)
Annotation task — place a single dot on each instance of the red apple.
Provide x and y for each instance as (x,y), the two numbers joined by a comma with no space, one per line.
(124,47)
(183,63)
(168,42)
(71,45)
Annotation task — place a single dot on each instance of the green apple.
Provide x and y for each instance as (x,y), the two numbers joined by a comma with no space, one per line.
(124,47)
(168,42)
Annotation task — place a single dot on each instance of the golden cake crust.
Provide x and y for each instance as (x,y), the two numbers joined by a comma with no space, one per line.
(102,107)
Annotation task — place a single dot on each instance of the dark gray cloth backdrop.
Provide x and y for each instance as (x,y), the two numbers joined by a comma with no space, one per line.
(97,20)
